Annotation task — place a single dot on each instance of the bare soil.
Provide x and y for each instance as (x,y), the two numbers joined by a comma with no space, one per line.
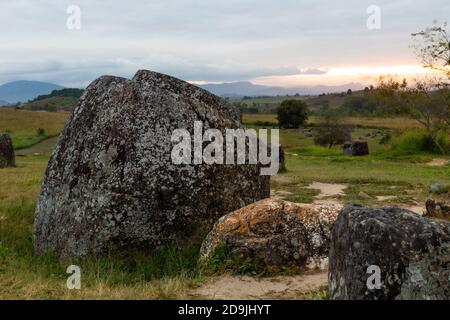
(252,288)
(438,162)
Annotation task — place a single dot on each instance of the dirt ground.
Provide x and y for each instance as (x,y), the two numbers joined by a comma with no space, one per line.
(253,288)
(437,162)
(285,287)
(42,148)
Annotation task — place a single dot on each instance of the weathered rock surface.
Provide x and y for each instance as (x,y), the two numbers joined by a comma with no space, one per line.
(356,148)
(7,157)
(277,232)
(111,184)
(412,252)
(282,159)
(437,209)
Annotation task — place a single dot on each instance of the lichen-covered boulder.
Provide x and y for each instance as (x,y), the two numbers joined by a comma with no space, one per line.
(411,252)
(437,209)
(276,233)
(111,184)
(356,148)
(7,157)
(282,157)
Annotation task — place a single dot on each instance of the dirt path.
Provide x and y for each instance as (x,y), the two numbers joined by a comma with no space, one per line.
(246,287)
(328,192)
(42,148)
(438,162)
(284,287)
(281,178)
(327,189)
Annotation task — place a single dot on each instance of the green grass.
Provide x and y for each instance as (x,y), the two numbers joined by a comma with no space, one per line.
(395,123)
(165,274)
(53,104)
(319,294)
(23,125)
(341,169)
(409,181)
(270,100)
(171,272)
(405,175)
(418,142)
(222,260)
(301,194)
(25,140)
(317,151)
(176,265)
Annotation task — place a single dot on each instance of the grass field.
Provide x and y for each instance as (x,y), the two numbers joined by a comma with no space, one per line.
(271,100)
(25,275)
(376,122)
(169,274)
(52,104)
(314,102)
(23,125)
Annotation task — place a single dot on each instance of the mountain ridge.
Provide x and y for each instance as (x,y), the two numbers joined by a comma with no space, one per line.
(240,89)
(24,90)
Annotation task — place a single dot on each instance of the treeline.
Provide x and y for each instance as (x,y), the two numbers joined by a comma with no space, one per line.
(58,100)
(256,107)
(366,104)
(66,92)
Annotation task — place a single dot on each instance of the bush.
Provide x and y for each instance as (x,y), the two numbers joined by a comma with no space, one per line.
(386,138)
(317,151)
(329,136)
(417,142)
(292,113)
(265,124)
(330,130)
(40,132)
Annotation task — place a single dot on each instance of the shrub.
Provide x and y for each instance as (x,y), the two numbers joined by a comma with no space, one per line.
(416,142)
(386,138)
(331,135)
(331,131)
(40,132)
(265,124)
(292,113)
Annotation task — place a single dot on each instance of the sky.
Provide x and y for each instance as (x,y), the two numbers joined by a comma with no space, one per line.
(283,42)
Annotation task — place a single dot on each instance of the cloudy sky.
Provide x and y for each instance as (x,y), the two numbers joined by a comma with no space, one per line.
(283,42)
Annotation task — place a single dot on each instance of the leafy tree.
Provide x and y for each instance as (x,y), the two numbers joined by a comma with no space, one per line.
(66,92)
(428,100)
(292,113)
(433,48)
(40,132)
(331,130)
(359,105)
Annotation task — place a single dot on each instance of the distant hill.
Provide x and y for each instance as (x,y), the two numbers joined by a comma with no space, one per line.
(65,99)
(237,90)
(354,103)
(22,91)
(3,103)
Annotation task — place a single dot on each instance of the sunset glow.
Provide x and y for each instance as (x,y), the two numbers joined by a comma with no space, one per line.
(370,71)
(344,75)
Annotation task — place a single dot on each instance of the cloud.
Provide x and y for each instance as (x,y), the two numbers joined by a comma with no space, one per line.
(80,73)
(313,71)
(204,40)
